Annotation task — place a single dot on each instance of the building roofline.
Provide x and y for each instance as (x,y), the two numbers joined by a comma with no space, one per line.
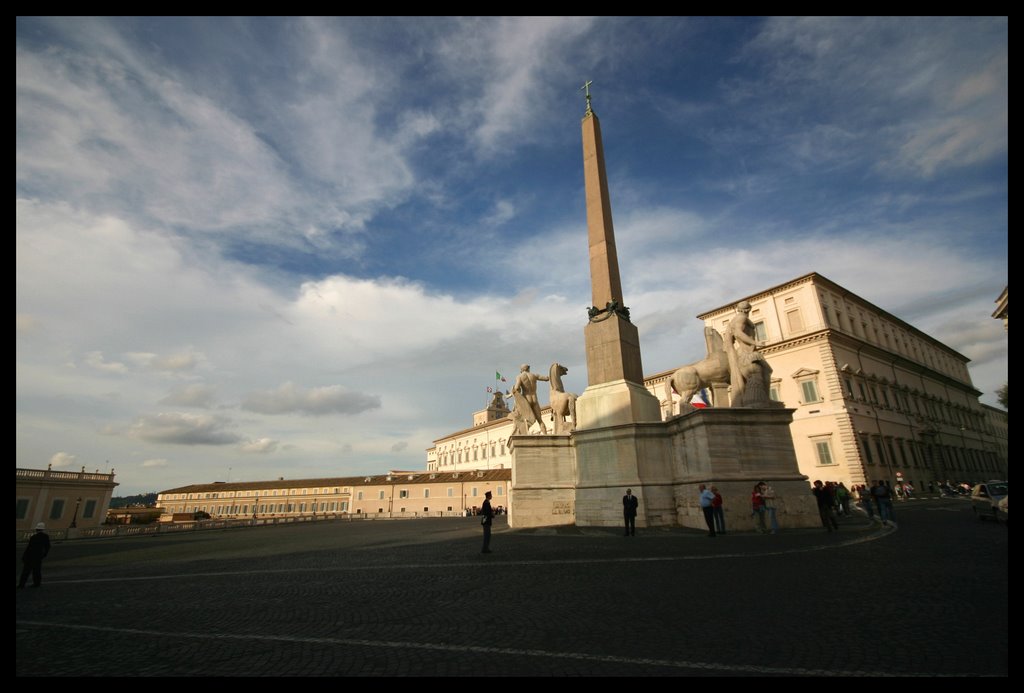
(418,477)
(815,278)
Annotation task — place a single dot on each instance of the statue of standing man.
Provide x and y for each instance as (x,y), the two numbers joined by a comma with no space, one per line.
(524,390)
(749,373)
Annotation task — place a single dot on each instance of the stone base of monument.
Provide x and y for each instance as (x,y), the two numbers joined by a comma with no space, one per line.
(543,481)
(614,403)
(580,479)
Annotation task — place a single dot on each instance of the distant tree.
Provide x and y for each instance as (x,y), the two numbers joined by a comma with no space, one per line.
(144,500)
(1003,397)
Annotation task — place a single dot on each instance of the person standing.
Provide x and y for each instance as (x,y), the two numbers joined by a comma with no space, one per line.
(843,498)
(487,519)
(629,506)
(706,499)
(757,506)
(35,552)
(768,494)
(717,511)
(824,500)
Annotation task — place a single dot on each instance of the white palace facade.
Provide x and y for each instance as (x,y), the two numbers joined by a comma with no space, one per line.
(873,397)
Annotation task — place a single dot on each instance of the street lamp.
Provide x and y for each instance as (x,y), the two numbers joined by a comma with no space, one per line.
(74,519)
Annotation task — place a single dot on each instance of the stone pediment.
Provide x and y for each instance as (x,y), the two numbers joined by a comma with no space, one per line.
(804,373)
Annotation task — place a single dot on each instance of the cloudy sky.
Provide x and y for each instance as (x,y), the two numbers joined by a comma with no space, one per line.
(252,248)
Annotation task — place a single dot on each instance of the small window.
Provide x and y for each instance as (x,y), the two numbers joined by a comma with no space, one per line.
(796,323)
(57,509)
(824,452)
(22,508)
(810,390)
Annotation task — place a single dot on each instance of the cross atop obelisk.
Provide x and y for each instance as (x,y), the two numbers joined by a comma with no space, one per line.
(615,392)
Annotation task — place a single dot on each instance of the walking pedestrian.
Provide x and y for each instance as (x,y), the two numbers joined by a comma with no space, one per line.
(882,495)
(32,558)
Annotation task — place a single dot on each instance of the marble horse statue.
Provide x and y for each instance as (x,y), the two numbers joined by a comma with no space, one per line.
(712,370)
(562,403)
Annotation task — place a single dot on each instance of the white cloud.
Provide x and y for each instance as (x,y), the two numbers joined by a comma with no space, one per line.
(317,401)
(183,429)
(193,395)
(63,459)
(156,462)
(95,359)
(262,446)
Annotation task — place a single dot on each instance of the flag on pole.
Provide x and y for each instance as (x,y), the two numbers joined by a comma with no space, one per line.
(499,376)
(701,399)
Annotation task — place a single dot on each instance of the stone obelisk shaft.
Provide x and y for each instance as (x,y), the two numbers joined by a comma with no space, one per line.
(604,261)
(612,341)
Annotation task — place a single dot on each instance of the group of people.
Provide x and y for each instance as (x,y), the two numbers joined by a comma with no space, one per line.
(762,505)
(876,501)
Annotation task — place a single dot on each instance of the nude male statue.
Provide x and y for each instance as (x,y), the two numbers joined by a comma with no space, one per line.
(525,392)
(751,376)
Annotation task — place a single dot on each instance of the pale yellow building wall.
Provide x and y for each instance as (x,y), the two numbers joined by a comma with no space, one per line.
(53,497)
(409,493)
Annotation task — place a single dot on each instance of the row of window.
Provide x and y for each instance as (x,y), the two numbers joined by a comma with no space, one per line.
(924,407)
(249,494)
(327,506)
(57,508)
(869,328)
(898,452)
(478,453)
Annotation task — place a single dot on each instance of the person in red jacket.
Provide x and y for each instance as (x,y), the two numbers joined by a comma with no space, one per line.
(757,505)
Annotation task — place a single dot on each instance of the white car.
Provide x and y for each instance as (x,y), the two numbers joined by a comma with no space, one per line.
(989,500)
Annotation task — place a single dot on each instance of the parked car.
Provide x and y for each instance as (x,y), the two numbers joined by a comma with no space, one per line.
(990,500)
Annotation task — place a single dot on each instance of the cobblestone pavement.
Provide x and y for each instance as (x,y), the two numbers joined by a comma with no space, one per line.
(927,597)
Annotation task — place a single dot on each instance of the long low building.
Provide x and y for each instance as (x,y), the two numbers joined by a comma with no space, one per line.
(395,494)
(874,398)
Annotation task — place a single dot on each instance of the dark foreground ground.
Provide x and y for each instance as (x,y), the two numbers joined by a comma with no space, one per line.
(416,598)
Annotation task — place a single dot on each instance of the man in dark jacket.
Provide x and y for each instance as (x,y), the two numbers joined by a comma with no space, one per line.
(35,552)
(629,506)
(488,517)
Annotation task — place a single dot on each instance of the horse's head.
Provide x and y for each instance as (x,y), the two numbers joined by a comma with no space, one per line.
(558,369)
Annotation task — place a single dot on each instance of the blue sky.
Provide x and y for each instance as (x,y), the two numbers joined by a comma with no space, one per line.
(252,248)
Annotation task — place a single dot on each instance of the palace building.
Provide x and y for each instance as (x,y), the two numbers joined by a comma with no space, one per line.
(874,398)
(395,494)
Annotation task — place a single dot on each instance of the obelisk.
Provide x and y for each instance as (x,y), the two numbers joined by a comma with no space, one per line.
(615,393)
